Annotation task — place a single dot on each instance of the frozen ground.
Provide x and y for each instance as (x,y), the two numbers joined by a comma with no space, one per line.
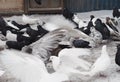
(112,74)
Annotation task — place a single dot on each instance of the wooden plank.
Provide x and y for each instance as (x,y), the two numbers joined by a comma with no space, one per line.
(11,5)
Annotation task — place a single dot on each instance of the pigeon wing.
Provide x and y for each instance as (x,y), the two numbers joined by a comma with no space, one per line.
(46,44)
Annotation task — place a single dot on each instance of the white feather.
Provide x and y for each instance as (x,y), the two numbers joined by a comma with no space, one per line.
(28,20)
(10,36)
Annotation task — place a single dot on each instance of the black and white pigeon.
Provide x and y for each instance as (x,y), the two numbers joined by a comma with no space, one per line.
(102,28)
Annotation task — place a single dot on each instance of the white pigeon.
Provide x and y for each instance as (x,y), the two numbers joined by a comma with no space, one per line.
(28,68)
(28,20)
(62,67)
(70,58)
(101,64)
(67,64)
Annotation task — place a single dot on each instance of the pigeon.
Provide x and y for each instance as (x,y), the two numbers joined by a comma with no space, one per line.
(117,57)
(71,55)
(28,68)
(102,28)
(61,67)
(101,64)
(79,43)
(28,20)
(67,13)
(116,12)
(110,23)
(114,35)
(69,63)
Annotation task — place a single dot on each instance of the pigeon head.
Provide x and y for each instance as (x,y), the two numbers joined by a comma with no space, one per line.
(98,21)
(67,13)
(92,16)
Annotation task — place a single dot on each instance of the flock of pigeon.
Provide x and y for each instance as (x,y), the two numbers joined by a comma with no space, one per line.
(26,49)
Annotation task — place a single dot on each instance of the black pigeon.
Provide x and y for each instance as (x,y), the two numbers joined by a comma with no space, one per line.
(117,57)
(102,28)
(67,13)
(15,45)
(81,44)
(20,26)
(116,12)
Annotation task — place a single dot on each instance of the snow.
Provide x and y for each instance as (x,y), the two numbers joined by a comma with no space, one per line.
(113,75)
